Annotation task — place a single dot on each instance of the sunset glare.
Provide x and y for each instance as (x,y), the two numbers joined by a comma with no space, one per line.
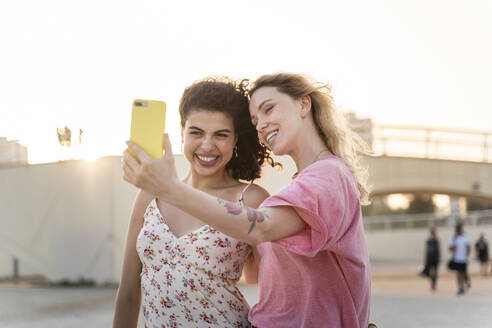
(80,64)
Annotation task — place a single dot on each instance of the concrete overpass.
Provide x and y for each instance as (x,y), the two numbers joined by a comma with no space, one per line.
(389,174)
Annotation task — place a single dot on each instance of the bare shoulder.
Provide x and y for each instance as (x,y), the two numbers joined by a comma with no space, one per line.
(143,198)
(141,202)
(254,196)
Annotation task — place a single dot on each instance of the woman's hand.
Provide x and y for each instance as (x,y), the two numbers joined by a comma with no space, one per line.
(157,177)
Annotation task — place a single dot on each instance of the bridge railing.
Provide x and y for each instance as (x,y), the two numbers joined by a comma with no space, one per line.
(432,142)
(427,220)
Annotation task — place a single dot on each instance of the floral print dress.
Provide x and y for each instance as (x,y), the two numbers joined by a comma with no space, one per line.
(190,281)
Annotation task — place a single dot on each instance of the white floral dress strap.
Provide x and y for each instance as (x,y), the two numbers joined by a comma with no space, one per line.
(241,196)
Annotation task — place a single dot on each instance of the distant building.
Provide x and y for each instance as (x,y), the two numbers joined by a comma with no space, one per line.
(12,152)
(362,126)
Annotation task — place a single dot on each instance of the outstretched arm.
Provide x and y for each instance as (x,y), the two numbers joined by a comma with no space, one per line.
(253,226)
(158,177)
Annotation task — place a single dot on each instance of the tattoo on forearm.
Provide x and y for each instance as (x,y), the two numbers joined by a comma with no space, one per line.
(253,215)
(231,207)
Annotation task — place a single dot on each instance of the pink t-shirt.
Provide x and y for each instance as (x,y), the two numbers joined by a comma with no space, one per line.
(320,276)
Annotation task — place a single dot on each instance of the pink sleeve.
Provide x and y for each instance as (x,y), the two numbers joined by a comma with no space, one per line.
(324,198)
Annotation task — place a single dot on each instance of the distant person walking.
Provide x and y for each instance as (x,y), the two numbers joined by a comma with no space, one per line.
(482,251)
(432,258)
(460,246)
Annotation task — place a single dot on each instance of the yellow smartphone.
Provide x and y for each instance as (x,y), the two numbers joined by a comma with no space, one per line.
(147,126)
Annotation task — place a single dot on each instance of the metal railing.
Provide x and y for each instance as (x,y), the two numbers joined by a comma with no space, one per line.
(427,220)
(432,142)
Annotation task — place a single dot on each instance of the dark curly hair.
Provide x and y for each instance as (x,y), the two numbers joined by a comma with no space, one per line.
(224,95)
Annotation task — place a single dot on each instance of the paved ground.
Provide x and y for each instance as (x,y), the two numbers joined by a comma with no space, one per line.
(409,303)
(399,299)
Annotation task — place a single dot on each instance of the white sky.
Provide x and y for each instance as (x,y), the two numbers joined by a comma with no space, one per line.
(81,63)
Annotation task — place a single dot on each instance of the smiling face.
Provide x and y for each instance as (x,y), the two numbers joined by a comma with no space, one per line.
(209,139)
(277,118)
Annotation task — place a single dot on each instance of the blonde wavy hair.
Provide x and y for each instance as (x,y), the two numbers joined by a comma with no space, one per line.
(331,124)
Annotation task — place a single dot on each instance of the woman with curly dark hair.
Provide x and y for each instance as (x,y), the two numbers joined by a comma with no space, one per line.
(184,270)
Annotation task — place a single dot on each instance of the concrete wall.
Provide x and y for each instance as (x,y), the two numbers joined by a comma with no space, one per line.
(62,219)
(68,220)
(65,220)
(409,245)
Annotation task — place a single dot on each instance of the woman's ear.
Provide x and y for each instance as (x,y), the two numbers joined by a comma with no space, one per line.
(182,139)
(305,103)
